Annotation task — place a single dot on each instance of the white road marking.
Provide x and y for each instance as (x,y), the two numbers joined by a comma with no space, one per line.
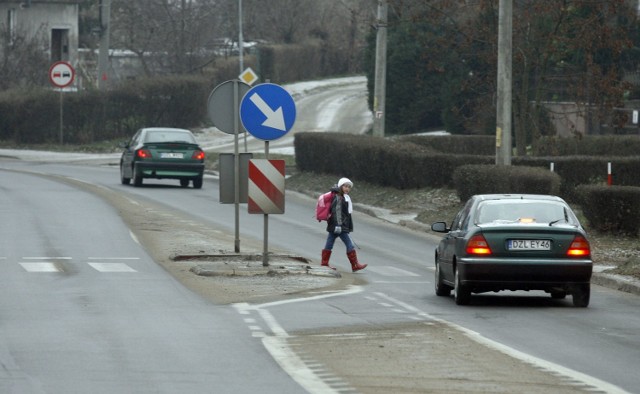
(41,267)
(112,267)
(280,350)
(133,236)
(46,258)
(390,271)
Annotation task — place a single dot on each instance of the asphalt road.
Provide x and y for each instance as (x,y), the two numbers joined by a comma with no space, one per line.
(92,302)
(392,298)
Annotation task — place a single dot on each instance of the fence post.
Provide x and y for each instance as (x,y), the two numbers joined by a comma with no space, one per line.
(609,178)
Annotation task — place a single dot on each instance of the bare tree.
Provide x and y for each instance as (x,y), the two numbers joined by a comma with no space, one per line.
(24,60)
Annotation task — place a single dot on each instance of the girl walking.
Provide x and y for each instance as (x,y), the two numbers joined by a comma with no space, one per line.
(340,224)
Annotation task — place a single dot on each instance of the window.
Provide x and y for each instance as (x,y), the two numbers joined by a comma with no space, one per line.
(59,45)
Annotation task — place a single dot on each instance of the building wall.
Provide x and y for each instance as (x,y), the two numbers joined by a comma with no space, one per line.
(43,17)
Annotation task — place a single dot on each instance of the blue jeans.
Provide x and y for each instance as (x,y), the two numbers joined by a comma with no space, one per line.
(331,239)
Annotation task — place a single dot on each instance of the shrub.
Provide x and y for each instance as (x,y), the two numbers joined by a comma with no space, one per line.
(490,179)
(612,209)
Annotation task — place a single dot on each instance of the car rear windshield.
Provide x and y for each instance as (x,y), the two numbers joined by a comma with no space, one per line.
(523,211)
(170,136)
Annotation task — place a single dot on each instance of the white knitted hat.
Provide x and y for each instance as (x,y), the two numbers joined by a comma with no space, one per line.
(343,181)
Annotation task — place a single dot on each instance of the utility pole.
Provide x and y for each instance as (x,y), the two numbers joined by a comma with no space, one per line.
(103,56)
(503,115)
(381,71)
(240,38)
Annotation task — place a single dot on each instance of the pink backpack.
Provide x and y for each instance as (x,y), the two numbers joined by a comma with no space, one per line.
(323,206)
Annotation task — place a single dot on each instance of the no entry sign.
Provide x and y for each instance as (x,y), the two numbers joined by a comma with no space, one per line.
(266,186)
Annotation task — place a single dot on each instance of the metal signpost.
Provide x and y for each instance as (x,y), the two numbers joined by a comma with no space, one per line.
(267,112)
(222,108)
(61,75)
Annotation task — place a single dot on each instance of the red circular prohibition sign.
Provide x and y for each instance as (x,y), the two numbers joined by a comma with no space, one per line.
(61,74)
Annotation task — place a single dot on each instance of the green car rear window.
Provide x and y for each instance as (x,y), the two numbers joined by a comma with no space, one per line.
(169,136)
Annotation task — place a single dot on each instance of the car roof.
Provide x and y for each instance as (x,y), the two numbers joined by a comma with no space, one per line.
(173,129)
(541,197)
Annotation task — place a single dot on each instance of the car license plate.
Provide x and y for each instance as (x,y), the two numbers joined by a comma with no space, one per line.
(171,155)
(529,244)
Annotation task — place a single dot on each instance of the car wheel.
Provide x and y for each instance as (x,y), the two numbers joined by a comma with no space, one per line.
(197,182)
(442,289)
(184,182)
(462,293)
(137,178)
(581,295)
(124,180)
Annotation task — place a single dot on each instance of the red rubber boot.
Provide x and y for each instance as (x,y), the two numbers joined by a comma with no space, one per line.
(326,255)
(353,259)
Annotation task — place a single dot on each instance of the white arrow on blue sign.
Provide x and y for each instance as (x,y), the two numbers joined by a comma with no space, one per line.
(267,111)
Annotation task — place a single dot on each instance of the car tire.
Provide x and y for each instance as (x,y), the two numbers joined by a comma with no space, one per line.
(124,180)
(137,178)
(581,295)
(184,182)
(197,182)
(462,294)
(442,290)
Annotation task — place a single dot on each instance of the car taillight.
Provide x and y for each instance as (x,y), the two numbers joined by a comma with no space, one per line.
(143,153)
(198,155)
(478,245)
(579,247)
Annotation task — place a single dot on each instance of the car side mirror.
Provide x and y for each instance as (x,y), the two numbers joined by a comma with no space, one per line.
(440,227)
(124,144)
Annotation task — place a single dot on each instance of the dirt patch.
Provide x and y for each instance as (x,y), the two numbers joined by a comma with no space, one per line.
(410,358)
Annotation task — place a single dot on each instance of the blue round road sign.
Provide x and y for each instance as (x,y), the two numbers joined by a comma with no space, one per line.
(267,111)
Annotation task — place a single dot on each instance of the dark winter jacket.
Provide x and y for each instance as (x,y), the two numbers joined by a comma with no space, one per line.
(340,215)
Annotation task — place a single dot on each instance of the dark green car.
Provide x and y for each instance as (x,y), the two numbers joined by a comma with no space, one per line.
(514,242)
(162,153)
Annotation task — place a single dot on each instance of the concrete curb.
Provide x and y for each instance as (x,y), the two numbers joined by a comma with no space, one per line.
(246,265)
(617,282)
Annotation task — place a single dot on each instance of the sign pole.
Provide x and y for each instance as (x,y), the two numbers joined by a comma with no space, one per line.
(265,248)
(268,112)
(61,75)
(61,117)
(236,162)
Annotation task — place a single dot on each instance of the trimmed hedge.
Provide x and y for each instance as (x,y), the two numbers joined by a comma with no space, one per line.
(34,117)
(612,209)
(589,145)
(483,145)
(378,160)
(489,179)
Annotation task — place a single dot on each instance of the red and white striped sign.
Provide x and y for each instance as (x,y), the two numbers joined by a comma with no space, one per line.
(266,186)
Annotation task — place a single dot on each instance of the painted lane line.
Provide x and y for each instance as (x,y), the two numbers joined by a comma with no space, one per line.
(294,366)
(133,236)
(278,346)
(46,258)
(41,267)
(395,282)
(111,267)
(391,271)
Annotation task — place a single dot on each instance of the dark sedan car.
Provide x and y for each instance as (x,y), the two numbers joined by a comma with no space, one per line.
(514,242)
(162,153)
